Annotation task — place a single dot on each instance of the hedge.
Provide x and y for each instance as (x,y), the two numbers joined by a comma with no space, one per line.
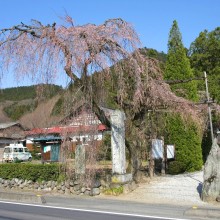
(28,171)
(187,139)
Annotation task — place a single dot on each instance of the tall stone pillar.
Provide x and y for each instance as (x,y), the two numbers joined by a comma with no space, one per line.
(118,147)
(118,142)
(80,160)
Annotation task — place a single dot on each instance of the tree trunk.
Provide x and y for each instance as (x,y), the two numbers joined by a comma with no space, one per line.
(134,161)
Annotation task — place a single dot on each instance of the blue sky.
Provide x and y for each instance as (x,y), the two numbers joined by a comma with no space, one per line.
(152,19)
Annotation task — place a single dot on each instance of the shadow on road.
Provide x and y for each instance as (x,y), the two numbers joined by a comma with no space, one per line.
(199,189)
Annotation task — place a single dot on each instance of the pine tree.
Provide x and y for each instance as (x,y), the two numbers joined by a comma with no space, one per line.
(178,66)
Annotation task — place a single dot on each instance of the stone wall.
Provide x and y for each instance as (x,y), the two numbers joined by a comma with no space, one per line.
(70,187)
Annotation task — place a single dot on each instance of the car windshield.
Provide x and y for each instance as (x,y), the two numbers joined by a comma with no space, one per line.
(7,150)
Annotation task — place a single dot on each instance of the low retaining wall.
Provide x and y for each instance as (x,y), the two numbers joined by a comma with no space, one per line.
(69,187)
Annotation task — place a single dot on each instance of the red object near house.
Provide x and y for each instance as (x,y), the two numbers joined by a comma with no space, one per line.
(66,129)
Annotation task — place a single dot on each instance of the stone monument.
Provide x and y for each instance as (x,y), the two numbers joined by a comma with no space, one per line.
(80,159)
(118,147)
(211,182)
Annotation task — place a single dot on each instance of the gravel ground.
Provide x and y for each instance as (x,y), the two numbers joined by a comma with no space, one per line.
(181,189)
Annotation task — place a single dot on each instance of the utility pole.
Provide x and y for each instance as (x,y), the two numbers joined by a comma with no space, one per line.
(209,108)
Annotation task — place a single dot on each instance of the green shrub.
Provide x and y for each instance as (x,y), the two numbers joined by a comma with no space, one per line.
(28,171)
(186,137)
(176,167)
(61,178)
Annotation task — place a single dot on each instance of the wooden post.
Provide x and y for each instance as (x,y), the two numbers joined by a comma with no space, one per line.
(151,163)
(209,108)
(163,167)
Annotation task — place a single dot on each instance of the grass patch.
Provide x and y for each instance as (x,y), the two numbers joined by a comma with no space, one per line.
(114,191)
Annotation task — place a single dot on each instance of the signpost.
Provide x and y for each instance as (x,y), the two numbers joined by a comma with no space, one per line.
(161,151)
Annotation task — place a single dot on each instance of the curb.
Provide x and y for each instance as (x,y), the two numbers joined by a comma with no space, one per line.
(203,213)
(23,197)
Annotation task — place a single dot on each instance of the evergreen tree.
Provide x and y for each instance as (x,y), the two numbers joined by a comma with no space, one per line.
(178,65)
(186,137)
(205,56)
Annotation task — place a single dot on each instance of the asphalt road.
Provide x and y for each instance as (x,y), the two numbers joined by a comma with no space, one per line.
(15,211)
(119,206)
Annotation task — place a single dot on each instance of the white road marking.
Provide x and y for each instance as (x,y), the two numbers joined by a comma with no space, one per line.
(93,211)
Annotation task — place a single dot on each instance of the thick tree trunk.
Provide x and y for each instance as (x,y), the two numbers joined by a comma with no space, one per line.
(134,161)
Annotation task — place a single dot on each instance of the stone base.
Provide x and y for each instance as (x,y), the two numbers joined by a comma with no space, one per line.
(121,178)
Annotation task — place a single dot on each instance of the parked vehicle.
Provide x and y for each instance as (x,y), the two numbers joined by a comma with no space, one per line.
(16,152)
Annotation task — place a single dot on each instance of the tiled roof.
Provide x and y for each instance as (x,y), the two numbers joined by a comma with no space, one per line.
(66,129)
(8,125)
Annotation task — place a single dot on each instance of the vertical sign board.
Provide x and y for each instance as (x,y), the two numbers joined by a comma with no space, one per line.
(170,151)
(157,148)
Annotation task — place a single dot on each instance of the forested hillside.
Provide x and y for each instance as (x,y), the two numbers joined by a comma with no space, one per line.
(28,92)
(18,101)
(18,93)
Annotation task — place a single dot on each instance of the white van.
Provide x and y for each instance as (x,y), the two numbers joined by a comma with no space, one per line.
(16,152)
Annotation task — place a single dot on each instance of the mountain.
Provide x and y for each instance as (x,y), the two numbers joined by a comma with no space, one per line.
(30,105)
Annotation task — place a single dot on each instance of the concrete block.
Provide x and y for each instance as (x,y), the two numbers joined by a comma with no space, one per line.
(22,197)
(121,178)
